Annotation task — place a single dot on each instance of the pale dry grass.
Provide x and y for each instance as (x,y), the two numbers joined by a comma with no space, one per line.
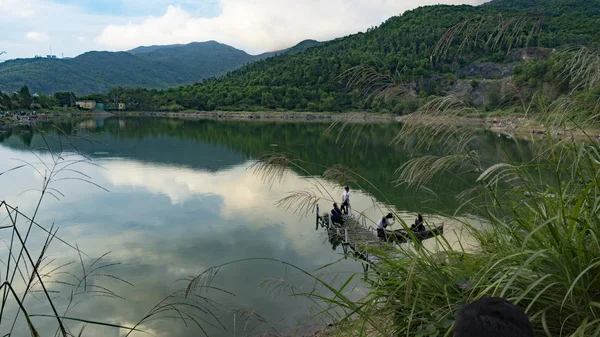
(496,32)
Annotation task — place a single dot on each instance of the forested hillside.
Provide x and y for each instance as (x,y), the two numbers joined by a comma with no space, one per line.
(403,46)
(413,49)
(153,67)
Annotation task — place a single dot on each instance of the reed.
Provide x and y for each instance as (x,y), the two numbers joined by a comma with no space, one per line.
(540,243)
(28,272)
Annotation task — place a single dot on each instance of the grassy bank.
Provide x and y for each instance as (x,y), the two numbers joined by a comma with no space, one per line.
(539,243)
(539,248)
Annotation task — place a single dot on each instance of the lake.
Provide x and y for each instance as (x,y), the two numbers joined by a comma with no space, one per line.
(180,196)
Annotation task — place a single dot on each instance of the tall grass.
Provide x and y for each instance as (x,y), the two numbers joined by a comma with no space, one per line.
(540,246)
(59,286)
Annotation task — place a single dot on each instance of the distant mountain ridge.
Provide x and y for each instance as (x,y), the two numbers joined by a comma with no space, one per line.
(153,67)
(402,48)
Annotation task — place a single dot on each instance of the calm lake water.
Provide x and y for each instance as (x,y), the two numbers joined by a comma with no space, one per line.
(181,198)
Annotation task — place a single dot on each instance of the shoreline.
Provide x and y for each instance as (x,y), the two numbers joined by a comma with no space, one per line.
(29,119)
(270,116)
(513,126)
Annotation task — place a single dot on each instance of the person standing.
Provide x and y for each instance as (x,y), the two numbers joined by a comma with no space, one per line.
(346,200)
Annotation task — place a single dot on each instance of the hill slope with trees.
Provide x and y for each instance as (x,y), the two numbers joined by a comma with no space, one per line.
(413,49)
(153,67)
(403,47)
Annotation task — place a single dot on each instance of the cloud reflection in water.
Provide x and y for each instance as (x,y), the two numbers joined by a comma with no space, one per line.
(166,222)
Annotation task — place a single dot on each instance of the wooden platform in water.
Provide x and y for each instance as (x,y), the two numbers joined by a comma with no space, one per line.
(358,239)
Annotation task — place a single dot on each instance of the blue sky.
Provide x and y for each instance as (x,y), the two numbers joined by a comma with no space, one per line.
(72,27)
(202,8)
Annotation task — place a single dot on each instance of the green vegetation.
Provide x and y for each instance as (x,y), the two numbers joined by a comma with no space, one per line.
(39,289)
(306,142)
(405,51)
(155,67)
(536,241)
(532,239)
(23,99)
(403,48)
(567,22)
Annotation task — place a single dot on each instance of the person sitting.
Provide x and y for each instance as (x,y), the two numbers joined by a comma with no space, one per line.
(419,224)
(336,215)
(492,317)
(346,200)
(383,223)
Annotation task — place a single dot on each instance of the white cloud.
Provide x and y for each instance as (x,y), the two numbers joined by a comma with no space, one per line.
(36,36)
(255,26)
(260,25)
(20,9)
(62,24)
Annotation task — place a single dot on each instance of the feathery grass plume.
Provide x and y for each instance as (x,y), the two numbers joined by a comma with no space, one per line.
(252,324)
(495,32)
(36,277)
(418,172)
(580,67)
(188,308)
(500,173)
(344,175)
(301,202)
(441,118)
(272,167)
(540,243)
(376,85)
(28,273)
(439,124)
(339,306)
(352,129)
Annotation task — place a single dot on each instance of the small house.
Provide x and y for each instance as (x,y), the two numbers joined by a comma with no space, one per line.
(86,105)
(121,106)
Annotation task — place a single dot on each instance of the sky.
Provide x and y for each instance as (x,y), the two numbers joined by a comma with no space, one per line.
(72,27)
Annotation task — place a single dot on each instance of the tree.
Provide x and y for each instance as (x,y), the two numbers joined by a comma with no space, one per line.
(45,101)
(5,101)
(268,100)
(25,97)
(65,98)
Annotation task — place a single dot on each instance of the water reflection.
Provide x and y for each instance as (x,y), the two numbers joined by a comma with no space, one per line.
(212,145)
(166,222)
(182,199)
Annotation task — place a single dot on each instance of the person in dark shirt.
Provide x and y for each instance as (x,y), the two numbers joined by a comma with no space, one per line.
(419,224)
(492,317)
(336,215)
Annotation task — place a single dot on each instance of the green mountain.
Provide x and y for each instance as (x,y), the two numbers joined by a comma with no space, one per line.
(403,46)
(154,67)
(147,49)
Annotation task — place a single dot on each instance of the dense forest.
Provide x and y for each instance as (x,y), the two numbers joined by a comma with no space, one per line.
(155,67)
(407,49)
(402,46)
